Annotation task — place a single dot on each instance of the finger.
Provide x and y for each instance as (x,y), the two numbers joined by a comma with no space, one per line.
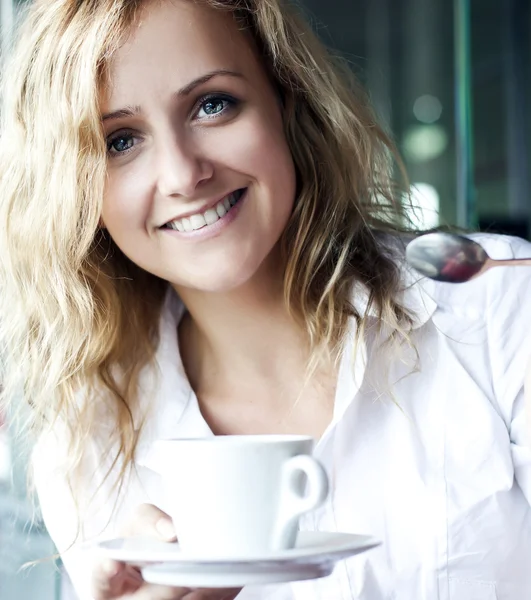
(150,521)
(111,578)
(160,592)
(104,575)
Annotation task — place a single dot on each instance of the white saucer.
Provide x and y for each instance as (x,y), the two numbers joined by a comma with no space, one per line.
(315,555)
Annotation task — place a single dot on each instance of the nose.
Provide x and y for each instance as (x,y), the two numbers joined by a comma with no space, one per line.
(181,168)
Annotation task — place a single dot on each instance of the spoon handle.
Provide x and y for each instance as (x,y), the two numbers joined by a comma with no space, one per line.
(512,262)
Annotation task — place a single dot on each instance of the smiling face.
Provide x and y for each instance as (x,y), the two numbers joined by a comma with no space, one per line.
(200,181)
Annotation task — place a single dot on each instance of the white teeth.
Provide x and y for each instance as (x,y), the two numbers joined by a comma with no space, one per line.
(197,221)
(210,216)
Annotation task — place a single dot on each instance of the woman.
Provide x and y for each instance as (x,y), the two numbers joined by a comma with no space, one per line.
(202,236)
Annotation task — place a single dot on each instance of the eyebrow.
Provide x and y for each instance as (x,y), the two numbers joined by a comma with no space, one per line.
(132,111)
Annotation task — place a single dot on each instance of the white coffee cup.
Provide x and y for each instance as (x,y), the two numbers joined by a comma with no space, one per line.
(240,496)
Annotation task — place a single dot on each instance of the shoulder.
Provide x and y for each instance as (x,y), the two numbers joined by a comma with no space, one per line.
(485,325)
(490,315)
(510,286)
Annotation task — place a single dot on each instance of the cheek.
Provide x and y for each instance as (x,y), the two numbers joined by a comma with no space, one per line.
(257,146)
(125,199)
(274,163)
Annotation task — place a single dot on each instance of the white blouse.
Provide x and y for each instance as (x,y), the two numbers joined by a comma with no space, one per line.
(439,471)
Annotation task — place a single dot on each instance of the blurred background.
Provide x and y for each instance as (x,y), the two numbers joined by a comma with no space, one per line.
(450,79)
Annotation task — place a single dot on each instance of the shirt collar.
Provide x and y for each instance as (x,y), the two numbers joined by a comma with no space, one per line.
(170,410)
(416,296)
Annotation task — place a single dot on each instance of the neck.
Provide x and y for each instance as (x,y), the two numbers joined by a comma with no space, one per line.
(246,331)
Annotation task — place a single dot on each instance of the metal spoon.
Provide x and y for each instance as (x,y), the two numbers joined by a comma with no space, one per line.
(453,258)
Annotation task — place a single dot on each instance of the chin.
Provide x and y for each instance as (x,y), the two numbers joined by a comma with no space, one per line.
(218,282)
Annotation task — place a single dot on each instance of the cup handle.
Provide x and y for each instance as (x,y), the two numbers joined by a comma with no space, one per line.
(293,501)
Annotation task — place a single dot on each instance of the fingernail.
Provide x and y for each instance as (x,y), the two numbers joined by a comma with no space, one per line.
(166,529)
(111,567)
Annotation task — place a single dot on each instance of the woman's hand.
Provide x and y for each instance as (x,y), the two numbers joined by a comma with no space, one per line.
(112,580)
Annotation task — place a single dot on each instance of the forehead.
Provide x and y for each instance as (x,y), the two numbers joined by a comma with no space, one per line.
(180,39)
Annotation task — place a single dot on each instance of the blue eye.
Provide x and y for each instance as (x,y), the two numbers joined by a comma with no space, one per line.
(120,143)
(214,105)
